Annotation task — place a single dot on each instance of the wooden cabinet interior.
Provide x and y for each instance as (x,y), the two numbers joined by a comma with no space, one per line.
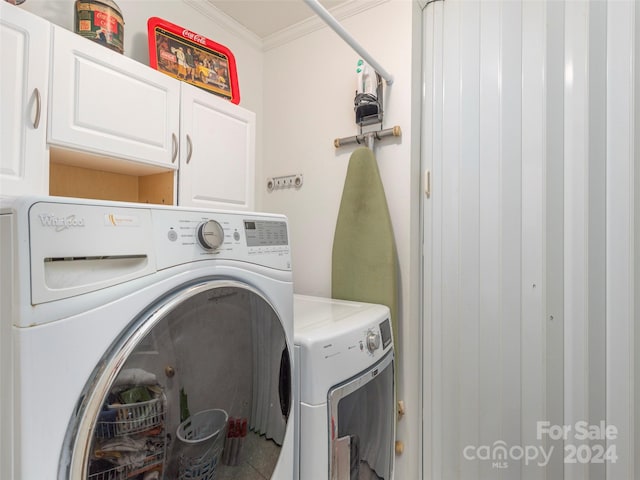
(107,179)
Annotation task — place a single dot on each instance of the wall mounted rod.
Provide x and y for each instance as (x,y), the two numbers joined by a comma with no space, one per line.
(339,29)
(368,138)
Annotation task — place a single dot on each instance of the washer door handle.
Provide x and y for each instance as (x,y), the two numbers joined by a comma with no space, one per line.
(284,385)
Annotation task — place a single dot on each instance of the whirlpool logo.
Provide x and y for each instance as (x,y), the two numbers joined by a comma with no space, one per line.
(61,223)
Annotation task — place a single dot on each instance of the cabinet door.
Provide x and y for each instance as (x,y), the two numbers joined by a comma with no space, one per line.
(108,104)
(217,152)
(24,56)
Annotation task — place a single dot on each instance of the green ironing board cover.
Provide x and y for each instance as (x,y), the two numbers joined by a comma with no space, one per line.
(364,260)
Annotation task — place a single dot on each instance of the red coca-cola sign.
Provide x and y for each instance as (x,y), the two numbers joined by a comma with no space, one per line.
(192,58)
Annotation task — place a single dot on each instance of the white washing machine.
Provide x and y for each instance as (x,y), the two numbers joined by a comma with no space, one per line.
(144,342)
(345,382)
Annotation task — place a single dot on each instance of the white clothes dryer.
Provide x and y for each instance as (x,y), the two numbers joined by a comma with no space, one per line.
(345,382)
(144,342)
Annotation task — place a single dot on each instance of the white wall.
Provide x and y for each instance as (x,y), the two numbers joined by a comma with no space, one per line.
(309,87)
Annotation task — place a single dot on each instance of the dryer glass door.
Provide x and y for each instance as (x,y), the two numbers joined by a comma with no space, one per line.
(198,388)
(362,425)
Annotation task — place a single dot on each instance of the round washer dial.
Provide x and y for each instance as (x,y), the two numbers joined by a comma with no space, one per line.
(210,235)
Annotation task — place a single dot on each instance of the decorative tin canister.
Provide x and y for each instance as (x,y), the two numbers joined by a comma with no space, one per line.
(100,21)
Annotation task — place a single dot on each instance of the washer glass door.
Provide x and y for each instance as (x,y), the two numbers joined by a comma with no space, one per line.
(362,425)
(198,388)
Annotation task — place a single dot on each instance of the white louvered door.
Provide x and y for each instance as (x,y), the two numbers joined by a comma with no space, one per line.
(531,136)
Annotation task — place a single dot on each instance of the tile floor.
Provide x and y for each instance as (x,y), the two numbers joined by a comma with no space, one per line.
(257,461)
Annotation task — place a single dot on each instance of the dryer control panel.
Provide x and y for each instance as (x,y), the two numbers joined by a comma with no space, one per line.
(337,336)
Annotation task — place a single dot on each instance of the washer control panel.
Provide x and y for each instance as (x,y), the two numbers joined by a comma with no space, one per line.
(191,235)
(76,246)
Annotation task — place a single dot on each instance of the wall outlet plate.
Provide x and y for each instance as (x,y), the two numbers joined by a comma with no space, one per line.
(286,181)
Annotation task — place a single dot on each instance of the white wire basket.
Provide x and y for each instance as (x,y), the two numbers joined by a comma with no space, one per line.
(127,419)
(123,472)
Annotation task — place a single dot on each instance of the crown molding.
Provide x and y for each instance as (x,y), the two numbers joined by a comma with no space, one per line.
(314,23)
(225,22)
(424,3)
(300,29)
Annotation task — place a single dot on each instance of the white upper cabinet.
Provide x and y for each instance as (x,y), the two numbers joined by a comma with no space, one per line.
(24,56)
(217,152)
(108,104)
(73,110)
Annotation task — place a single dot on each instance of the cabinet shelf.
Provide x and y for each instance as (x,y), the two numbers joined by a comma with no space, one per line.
(108,179)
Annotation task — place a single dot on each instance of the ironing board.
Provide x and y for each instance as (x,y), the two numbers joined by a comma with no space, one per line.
(364,259)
